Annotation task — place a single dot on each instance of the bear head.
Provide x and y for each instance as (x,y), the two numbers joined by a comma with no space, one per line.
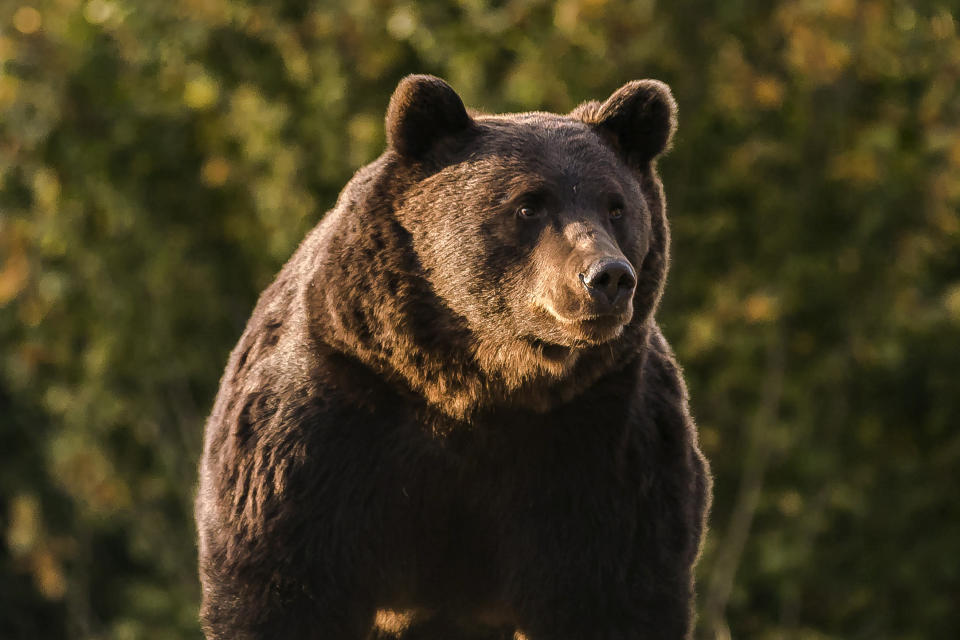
(525,253)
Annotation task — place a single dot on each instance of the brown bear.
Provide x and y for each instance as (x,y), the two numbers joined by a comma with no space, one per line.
(452,414)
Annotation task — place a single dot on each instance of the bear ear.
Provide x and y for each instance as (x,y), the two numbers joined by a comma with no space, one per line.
(423,110)
(639,118)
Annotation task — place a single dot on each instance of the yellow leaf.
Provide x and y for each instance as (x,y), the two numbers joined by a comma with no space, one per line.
(215,171)
(23,531)
(98,11)
(200,92)
(27,20)
(13,273)
(768,92)
(48,575)
(760,307)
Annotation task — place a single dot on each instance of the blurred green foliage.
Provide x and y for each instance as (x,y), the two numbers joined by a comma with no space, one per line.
(160,160)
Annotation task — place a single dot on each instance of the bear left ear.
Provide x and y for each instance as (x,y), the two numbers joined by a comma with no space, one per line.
(423,109)
(639,118)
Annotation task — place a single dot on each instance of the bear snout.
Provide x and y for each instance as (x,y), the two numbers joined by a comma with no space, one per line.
(610,282)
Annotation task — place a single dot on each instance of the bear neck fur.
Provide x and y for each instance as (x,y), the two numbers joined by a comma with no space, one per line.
(368,297)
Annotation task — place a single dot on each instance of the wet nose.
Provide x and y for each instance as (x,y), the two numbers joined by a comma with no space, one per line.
(610,280)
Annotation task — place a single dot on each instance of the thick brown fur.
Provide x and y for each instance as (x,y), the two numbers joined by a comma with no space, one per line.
(436,425)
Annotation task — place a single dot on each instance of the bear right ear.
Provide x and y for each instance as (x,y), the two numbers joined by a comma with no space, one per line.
(423,110)
(639,119)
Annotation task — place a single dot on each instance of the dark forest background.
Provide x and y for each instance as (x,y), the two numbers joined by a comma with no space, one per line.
(160,160)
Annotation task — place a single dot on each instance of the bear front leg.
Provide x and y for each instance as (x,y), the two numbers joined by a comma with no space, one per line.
(661,614)
(278,609)
(613,569)
(279,585)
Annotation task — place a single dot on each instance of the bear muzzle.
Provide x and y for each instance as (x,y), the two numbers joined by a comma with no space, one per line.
(595,306)
(588,299)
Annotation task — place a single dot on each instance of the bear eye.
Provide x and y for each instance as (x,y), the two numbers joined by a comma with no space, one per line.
(616,213)
(527,212)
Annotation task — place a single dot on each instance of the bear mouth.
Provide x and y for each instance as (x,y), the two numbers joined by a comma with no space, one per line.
(579,335)
(591,331)
(600,329)
(575,336)
(585,329)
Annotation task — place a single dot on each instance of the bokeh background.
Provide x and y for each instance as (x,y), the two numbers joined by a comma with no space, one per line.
(159,160)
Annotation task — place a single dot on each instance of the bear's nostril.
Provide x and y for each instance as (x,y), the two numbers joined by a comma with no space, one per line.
(609,280)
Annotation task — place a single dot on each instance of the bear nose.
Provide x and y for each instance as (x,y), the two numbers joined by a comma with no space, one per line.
(609,280)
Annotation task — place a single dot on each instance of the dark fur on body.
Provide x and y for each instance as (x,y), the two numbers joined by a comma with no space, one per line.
(427,414)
